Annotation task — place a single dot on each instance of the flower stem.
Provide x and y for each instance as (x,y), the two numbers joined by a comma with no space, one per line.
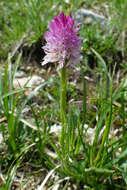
(63,85)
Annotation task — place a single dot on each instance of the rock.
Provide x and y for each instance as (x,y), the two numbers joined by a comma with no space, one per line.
(33,81)
(20,74)
(20,82)
(30,82)
(89,132)
(1,138)
(56,129)
(88,17)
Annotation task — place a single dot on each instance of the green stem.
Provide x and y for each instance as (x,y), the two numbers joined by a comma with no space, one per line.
(84,97)
(63,84)
(108,121)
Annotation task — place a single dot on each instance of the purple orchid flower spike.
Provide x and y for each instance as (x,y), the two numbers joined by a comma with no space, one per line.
(63,44)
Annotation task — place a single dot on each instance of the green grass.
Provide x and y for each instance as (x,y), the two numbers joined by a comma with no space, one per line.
(97,163)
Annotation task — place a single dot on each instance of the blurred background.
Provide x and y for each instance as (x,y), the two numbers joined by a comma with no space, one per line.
(23,24)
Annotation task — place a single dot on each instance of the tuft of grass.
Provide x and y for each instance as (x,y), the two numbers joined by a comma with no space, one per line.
(93,162)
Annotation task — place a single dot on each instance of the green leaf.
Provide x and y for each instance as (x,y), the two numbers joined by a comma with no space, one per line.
(98,171)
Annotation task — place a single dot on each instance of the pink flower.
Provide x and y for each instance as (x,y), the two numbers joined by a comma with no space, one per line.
(63,44)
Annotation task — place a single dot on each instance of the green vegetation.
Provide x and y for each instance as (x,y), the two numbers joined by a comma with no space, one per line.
(92,153)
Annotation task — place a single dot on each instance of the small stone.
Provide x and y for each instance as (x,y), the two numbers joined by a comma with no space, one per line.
(33,81)
(1,138)
(56,129)
(88,17)
(20,74)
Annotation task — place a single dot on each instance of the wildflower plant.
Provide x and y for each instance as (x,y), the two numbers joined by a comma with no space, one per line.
(64,47)
(63,43)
